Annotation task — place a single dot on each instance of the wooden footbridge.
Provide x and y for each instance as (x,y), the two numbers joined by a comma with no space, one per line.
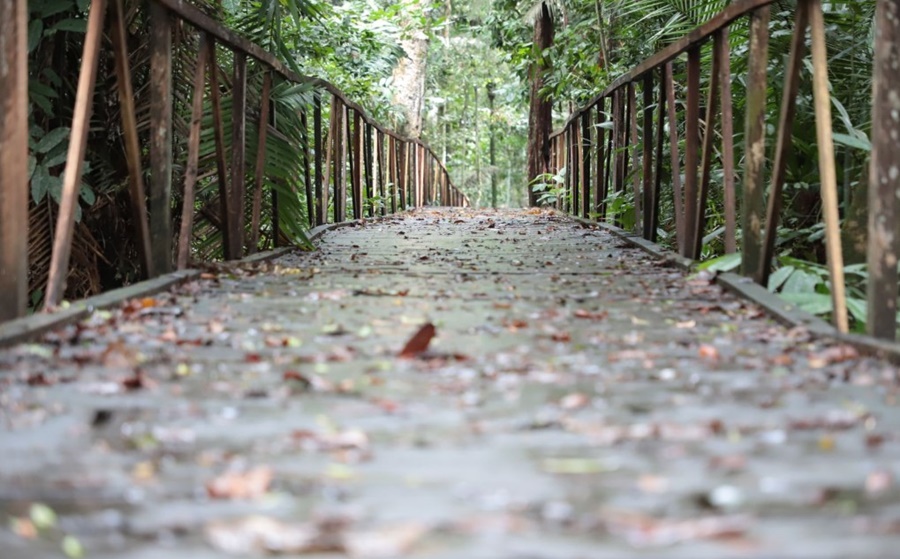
(435,380)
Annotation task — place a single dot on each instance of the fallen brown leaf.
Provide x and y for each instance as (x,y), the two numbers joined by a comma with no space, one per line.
(24,528)
(644,530)
(260,534)
(248,484)
(137,381)
(707,351)
(831,355)
(879,481)
(574,401)
(418,343)
(590,315)
(386,541)
(561,337)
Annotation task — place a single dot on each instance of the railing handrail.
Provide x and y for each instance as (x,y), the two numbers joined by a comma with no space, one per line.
(699,34)
(202,21)
(370,162)
(592,169)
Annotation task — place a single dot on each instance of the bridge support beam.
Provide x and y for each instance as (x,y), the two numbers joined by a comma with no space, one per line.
(755,141)
(884,181)
(13,158)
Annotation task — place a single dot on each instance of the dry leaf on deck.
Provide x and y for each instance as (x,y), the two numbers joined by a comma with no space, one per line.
(241,485)
(419,342)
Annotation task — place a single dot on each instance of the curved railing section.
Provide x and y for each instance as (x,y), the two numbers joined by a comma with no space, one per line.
(616,143)
(345,155)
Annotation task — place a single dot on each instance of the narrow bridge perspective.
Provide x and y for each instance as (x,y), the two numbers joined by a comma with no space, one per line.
(328,341)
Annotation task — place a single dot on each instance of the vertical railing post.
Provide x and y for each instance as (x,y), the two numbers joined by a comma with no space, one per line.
(784,140)
(405,164)
(827,167)
(307,171)
(235,250)
(691,152)
(415,195)
(709,136)
(755,143)
(723,47)
(674,154)
(569,199)
(633,146)
(586,163)
(369,164)
(336,145)
(137,194)
(619,142)
(401,172)
(161,138)
(884,181)
(649,202)
(602,162)
(260,165)
(320,205)
(219,136)
(392,171)
(382,170)
(356,158)
(190,169)
(492,146)
(84,97)
(13,159)
(420,173)
(660,143)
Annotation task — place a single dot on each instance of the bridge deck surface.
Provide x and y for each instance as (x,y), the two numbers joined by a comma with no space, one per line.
(579,400)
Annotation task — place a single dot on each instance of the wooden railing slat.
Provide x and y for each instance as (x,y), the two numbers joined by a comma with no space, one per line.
(84,96)
(219,136)
(827,166)
(190,169)
(235,250)
(137,193)
(783,142)
(260,165)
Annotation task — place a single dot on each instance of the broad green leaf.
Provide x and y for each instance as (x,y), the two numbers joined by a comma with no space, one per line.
(858,308)
(779,276)
(87,195)
(42,102)
(35,33)
(70,24)
(801,281)
(56,157)
(724,263)
(40,183)
(52,139)
(34,86)
(46,8)
(813,303)
(852,141)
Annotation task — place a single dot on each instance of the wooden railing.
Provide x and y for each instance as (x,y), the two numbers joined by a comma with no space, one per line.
(596,164)
(382,165)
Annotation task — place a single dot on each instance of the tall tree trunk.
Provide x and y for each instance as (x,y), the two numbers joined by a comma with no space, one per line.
(409,75)
(540,116)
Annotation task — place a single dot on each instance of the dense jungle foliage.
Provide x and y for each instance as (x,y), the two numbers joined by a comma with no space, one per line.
(480,59)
